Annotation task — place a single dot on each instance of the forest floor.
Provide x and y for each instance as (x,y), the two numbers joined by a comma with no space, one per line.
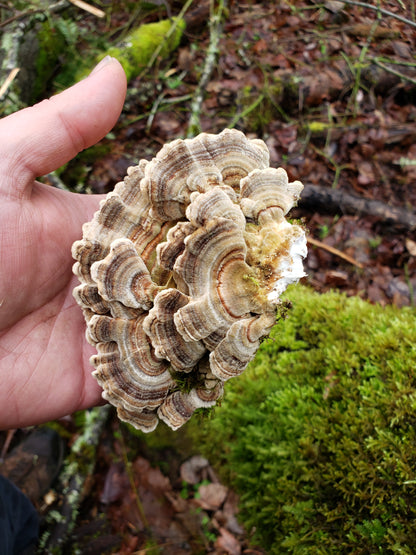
(331,88)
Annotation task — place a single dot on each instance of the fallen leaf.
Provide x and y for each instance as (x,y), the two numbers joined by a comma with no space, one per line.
(228,543)
(411,246)
(115,485)
(211,496)
(260,46)
(229,512)
(402,49)
(366,173)
(191,469)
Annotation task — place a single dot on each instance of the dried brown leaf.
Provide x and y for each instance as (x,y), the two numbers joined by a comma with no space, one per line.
(227,543)
(211,496)
(190,470)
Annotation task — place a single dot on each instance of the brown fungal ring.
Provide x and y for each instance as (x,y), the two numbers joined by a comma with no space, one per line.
(180,274)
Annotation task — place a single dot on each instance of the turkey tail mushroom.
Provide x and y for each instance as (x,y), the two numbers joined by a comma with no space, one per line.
(181,271)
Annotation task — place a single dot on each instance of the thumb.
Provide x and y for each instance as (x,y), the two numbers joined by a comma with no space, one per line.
(39,139)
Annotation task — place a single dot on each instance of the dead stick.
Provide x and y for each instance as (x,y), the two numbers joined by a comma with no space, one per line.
(215,26)
(88,8)
(61,4)
(9,437)
(381,10)
(334,251)
(9,80)
(394,72)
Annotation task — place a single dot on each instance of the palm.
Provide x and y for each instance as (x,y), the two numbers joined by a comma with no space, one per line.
(38,309)
(44,357)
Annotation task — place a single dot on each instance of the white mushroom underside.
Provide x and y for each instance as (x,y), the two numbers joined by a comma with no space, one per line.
(290,269)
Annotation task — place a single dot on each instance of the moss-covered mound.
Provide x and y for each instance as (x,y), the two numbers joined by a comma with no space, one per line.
(318,436)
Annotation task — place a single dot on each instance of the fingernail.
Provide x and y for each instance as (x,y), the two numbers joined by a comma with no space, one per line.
(105,61)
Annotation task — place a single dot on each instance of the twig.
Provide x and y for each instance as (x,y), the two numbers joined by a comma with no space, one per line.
(9,437)
(393,71)
(380,10)
(215,26)
(334,251)
(177,99)
(61,4)
(88,8)
(154,110)
(9,80)
(56,181)
(247,111)
(18,16)
(150,115)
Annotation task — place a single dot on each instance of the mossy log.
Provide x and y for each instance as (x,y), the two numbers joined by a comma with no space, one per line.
(30,43)
(136,51)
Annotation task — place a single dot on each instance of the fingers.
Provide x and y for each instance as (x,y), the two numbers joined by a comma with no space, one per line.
(38,140)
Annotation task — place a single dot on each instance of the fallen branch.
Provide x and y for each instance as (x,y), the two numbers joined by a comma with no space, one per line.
(334,201)
(79,466)
(23,15)
(19,48)
(215,25)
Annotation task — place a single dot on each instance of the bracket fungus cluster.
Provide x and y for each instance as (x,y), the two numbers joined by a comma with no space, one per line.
(181,271)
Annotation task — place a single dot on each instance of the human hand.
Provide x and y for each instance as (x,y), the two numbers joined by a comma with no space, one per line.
(44,357)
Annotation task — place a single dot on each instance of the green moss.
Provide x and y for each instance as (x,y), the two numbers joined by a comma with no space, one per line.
(318,126)
(137,49)
(318,436)
(51,44)
(258,109)
(140,45)
(40,46)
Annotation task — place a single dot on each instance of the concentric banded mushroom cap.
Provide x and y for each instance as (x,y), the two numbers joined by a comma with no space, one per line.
(181,272)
